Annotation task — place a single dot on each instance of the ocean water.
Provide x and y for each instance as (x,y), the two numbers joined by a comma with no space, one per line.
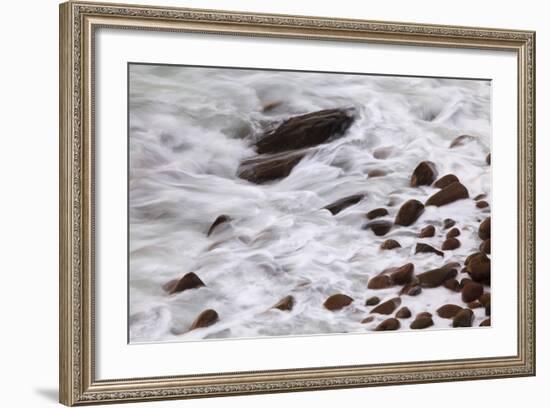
(189,130)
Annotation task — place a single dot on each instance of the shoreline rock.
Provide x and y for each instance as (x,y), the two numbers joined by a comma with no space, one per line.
(453,192)
(409,212)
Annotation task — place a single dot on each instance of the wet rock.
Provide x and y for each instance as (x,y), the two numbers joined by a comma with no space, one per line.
(452,284)
(453,233)
(488,309)
(488,159)
(379,227)
(482,204)
(382,153)
(337,302)
(344,203)
(403,274)
(387,307)
(436,277)
(424,174)
(453,192)
(376,173)
(262,169)
(222,219)
(388,324)
(484,231)
(411,290)
(450,243)
(307,130)
(205,319)
(377,212)
(446,180)
(380,282)
(463,318)
(409,212)
(390,244)
(425,248)
(270,106)
(464,282)
(367,319)
(461,140)
(448,311)
(480,197)
(427,232)
(424,314)
(422,323)
(286,303)
(188,281)
(485,246)
(485,299)
(448,223)
(485,323)
(403,313)
(474,304)
(471,291)
(372,301)
(479,268)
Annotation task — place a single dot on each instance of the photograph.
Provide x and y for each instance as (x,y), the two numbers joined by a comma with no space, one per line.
(267,202)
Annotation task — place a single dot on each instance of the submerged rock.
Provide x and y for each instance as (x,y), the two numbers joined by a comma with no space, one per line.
(344,203)
(446,180)
(453,192)
(262,169)
(461,140)
(188,281)
(286,303)
(488,159)
(424,174)
(222,219)
(205,319)
(425,248)
(372,301)
(390,244)
(448,223)
(376,173)
(379,227)
(409,212)
(337,302)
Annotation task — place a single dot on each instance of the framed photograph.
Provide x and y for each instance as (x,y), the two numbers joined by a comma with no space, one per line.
(256,203)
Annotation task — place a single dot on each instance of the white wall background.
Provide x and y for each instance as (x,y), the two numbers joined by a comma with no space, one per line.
(28,204)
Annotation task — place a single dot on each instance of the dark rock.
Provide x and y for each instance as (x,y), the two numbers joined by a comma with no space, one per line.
(453,233)
(485,323)
(344,203)
(480,197)
(453,192)
(464,282)
(390,244)
(471,291)
(380,282)
(474,304)
(485,299)
(377,212)
(411,290)
(379,227)
(452,284)
(461,140)
(388,307)
(421,323)
(423,314)
(424,174)
(262,169)
(409,212)
(403,313)
(372,301)
(286,303)
(463,318)
(222,219)
(388,324)
(479,268)
(337,302)
(367,319)
(446,180)
(425,248)
(484,231)
(427,232)
(488,159)
(436,277)
(485,246)
(488,309)
(306,130)
(205,319)
(448,311)
(403,274)
(448,223)
(376,173)
(470,257)
(188,281)
(482,204)
(450,243)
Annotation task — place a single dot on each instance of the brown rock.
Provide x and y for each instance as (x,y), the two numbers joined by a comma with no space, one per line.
(422,323)
(390,244)
(412,289)
(337,302)
(452,284)
(455,232)
(471,291)
(485,323)
(409,212)
(446,180)
(388,307)
(424,174)
(377,212)
(344,203)
(485,246)
(306,130)
(403,313)
(488,309)
(453,192)
(463,318)
(448,223)
(205,319)
(450,243)
(474,305)
(262,169)
(426,232)
(388,324)
(269,106)
(479,268)
(470,257)
(461,140)
(376,173)
(402,275)
(188,281)
(485,299)
(448,311)
(488,159)
(222,219)
(436,277)
(423,314)
(480,197)
(372,301)
(286,303)
(484,231)
(464,282)
(482,204)
(380,282)
(425,248)
(367,319)
(379,227)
